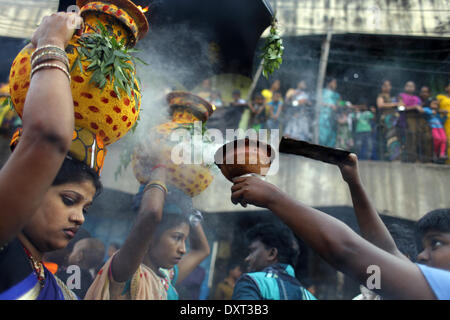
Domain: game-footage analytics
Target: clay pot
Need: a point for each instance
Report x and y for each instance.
(192, 179)
(103, 112)
(244, 156)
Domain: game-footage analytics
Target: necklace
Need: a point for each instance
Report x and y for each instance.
(37, 267)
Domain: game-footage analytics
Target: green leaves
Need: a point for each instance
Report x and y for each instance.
(272, 51)
(109, 59)
(7, 102)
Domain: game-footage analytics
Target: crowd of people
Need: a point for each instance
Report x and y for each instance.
(410, 125)
(45, 194)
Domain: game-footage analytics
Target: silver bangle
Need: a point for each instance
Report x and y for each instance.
(195, 218)
(155, 185)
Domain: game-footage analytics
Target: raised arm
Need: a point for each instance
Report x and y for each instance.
(336, 242)
(199, 250)
(372, 227)
(132, 253)
(48, 123)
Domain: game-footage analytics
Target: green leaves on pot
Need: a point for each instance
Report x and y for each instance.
(7, 102)
(110, 60)
(272, 51)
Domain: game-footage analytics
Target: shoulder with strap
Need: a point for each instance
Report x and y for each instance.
(267, 284)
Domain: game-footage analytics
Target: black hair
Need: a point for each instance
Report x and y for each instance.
(237, 91)
(258, 95)
(168, 221)
(76, 171)
(436, 220)
(233, 264)
(279, 236)
(330, 79)
(115, 245)
(404, 239)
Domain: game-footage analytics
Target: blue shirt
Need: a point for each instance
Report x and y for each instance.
(276, 282)
(439, 281)
(434, 120)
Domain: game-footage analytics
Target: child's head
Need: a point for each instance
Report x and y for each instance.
(434, 232)
(332, 84)
(424, 93)
(410, 87)
(258, 98)
(276, 96)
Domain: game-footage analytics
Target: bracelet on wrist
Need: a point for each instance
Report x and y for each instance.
(156, 184)
(50, 66)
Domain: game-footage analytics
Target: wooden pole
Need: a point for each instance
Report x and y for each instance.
(321, 79)
(255, 81)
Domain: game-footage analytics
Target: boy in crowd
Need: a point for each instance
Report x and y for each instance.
(273, 253)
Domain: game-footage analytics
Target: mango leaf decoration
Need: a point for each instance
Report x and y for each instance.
(273, 49)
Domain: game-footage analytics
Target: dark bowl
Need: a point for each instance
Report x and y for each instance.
(199, 107)
(244, 156)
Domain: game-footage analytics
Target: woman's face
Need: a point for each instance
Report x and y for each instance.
(410, 87)
(276, 85)
(170, 247)
(60, 215)
(386, 87)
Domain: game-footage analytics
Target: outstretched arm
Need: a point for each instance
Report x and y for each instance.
(336, 242)
(48, 124)
(132, 253)
(372, 227)
(199, 250)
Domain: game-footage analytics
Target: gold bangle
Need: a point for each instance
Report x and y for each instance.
(49, 46)
(154, 185)
(50, 55)
(158, 184)
(50, 65)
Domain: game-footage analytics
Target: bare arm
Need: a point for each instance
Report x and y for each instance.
(135, 247)
(382, 104)
(372, 227)
(48, 124)
(199, 250)
(250, 105)
(336, 242)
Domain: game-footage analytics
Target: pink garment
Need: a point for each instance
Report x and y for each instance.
(439, 141)
(410, 100)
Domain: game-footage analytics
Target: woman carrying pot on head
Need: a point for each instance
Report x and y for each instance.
(44, 190)
(154, 255)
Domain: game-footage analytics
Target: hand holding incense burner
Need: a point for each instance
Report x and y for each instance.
(244, 157)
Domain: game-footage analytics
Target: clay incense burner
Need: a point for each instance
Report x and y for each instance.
(244, 156)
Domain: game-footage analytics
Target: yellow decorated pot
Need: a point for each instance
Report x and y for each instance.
(86, 147)
(102, 111)
(192, 179)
